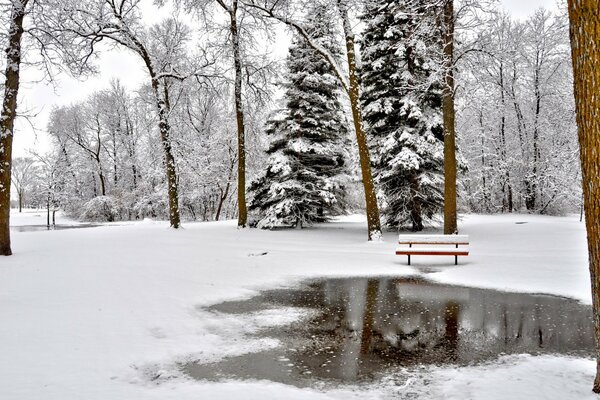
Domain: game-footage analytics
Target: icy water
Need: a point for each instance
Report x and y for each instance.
(36, 228)
(359, 329)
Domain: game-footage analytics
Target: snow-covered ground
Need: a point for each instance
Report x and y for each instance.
(99, 313)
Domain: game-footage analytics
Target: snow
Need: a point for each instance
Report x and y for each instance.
(107, 312)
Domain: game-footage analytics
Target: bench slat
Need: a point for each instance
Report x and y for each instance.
(432, 252)
(433, 239)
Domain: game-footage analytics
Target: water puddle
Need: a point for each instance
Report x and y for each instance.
(360, 329)
(38, 228)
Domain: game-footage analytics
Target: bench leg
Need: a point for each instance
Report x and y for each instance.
(409, 259)
(456, 258)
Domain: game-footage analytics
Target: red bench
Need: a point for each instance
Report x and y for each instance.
(423, 246)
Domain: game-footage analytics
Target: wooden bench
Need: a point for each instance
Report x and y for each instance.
(441, 241)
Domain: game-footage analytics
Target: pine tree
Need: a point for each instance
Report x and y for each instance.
(402, 99)
(303, 182)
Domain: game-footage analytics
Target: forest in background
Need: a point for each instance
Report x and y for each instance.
(515, 123)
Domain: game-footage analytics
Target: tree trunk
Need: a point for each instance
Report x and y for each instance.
(48, 211)
(450, 214)
(165, 136)
(20, 194)
(585, 45)
(222, 197)
(372, 209)
(503, 152)
(530, 202)
(102, 179)
(239, 116)
(415, 204)
(7, 118)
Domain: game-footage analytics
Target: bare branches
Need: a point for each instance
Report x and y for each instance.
(273, 12)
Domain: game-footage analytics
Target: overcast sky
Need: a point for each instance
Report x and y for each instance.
(39, 98)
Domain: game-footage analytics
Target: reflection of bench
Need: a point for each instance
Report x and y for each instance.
(424, 245)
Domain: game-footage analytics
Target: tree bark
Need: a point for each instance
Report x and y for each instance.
(239, 116)
(165, 133)
(585, 46)
(372, 209)
(450, 214)
(415, 204)
(7, 118)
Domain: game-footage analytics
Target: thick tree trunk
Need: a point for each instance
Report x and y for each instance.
(372, 209)
(7, 118)
(239, 116)
(585, 45)
(20, 194)
(450, 214)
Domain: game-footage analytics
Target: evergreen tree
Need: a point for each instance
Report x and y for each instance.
(303, 182)
(402, 99)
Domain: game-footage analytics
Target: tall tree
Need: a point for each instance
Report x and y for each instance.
(232, 10)
(402, 101)
(351, 85)
(585, 45)
(8, 115)
(303, 183)
(447, 25)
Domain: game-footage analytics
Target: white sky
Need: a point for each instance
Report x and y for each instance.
(38, 98)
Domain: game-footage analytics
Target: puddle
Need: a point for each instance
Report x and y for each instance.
(37, 228)
(360, 329)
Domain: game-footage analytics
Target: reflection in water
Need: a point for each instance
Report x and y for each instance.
(365, 327)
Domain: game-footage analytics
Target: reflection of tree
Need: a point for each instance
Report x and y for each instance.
(367, 330)
(370, 324)
(451, 333)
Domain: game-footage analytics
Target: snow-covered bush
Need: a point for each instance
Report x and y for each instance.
(153, 205)
(100, 209)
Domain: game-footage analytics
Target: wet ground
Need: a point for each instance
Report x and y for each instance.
(37, 228)
(360, 329)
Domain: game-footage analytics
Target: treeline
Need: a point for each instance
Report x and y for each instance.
(206, 125)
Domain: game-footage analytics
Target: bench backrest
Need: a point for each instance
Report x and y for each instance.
(433, 239)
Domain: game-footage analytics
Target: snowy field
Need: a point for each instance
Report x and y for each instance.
(108, 312)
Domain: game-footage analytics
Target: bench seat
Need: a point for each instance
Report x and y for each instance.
(433, 251)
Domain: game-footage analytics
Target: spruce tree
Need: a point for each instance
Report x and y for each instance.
(402, 100)
(303, 181)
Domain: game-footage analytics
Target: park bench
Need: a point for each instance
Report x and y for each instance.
(424, 245)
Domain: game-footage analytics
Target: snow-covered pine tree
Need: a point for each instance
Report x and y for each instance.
(304, 179)
(402, 100)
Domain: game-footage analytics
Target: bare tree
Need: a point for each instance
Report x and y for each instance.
(8, 115)
(585, 44)
(23, 175)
